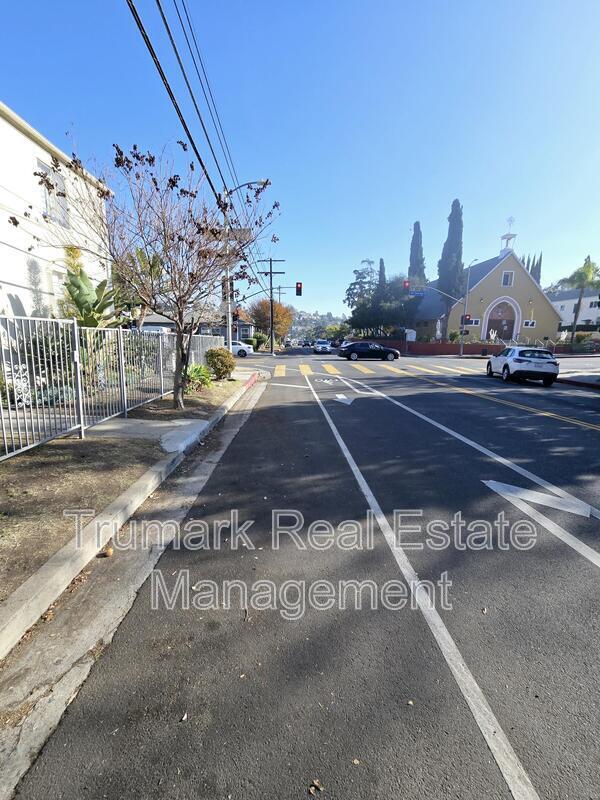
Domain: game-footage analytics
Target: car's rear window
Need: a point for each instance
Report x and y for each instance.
(536, 354)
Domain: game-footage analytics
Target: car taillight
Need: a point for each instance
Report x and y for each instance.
(521, 360)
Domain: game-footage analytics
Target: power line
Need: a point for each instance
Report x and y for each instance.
(193, 97)
(205, 85)
(189, 87)
(206, 88)
(173, 99)
(167, 86)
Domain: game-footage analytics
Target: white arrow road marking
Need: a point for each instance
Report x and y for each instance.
(570, 504)
(595, 512)
(512, 770)
(341, 398)
(552, 527)
(354, 388)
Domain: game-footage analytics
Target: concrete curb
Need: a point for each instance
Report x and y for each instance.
(26, 604)
(580, 383)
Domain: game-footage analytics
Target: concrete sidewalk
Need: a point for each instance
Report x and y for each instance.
(584, 379)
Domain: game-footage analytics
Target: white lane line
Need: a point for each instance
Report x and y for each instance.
(476, 446)
(290, 385)
(507, 760)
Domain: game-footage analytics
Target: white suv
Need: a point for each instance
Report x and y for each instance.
(524, 362)
(241, 349)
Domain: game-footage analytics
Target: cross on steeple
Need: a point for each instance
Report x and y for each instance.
(506, 241)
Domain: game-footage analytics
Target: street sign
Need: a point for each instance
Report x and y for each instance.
(416, 293)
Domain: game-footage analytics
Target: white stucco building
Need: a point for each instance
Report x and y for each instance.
(565, 303)
(37, 225)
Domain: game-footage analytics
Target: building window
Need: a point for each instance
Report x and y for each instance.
(529, 323)
(594, 303)
(54, 201)
(508, 278)
(562, 307)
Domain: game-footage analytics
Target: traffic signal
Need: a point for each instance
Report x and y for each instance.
(465, 319)
(406, 285)
(298, 288)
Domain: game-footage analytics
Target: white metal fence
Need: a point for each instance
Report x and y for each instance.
(57, 377)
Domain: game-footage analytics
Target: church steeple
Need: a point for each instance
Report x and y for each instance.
(507, 240)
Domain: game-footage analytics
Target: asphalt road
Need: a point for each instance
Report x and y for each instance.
(492, 693)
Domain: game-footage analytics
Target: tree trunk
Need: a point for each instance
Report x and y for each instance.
(178, 382)
(139, 323)
(576, 316)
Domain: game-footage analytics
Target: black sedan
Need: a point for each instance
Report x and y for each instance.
(355, 350)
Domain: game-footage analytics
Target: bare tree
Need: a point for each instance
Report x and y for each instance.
(166, 242)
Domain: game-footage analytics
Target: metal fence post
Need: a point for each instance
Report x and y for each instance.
(160, 360)
(78, 379)
(122, 370)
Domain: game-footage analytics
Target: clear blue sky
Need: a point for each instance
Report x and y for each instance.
(366, 115)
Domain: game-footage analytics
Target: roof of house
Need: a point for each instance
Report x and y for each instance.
(570, 294)
(30, 132)
(433, 306)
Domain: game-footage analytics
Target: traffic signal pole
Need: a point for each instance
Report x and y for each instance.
(462, 327)
(464, 319)
(270, 273)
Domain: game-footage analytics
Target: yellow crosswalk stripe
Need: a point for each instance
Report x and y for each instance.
(305, 369)
(449, 369)
(395, 369)
(331, 369)
(360, 368)
(279, 371)
(428, 371)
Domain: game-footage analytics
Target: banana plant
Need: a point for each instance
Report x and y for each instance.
(95, 304)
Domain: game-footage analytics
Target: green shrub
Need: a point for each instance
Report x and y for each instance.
(198, 377)
(220, 362)
(581, 337)
(261, 339)
(251, 342)
(453, 336)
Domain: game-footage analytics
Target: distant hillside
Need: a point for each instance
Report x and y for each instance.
(307, 323)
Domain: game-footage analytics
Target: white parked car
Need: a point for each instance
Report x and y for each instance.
(524, 362)
(322, 346)
(241, 349)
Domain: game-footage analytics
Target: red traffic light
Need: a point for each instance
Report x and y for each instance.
(465, 319)
(406, 284)
(298, 288)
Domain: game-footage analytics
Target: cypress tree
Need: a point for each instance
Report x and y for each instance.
(536, 270)
(450, 266)
(416, 265)
(381, 276)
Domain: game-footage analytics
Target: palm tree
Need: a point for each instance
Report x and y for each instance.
(586, 277)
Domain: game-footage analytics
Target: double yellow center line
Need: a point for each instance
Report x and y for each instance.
(485, 396)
